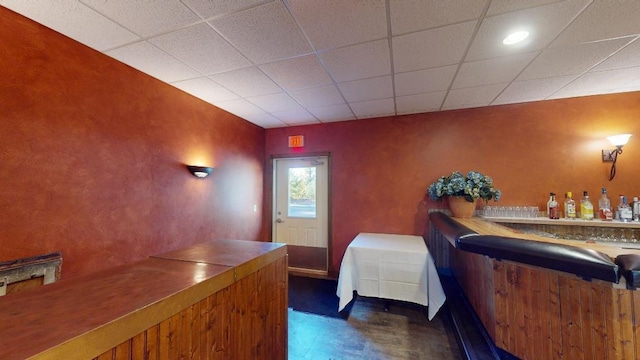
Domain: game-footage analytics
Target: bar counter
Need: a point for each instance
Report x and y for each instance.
(542, 298)
(490, 226)
(220, 299)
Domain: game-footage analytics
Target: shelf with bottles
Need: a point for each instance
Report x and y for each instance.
(544, 220)
(533, 215)
(624, 235)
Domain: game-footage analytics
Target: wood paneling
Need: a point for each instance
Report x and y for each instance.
(247, 320)
(159, 308)
(535, 313)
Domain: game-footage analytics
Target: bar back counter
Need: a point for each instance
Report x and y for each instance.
(222, 299)
(543, 298)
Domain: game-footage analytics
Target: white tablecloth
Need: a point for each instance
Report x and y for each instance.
(390, 266)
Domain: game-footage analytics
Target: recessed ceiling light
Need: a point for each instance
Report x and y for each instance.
(515, 37)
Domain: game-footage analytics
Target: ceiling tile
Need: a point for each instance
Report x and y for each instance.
(532, 90)
(208, 8)
(75, 21)
(603, 20)
(297, 73)
(544, 23)
(255, 58)
(634, 82)
(571, 60)
(145, 18)
(415, 15)
(425, 81)
(332, 113)
(418, 103)
(153, 61)
(503, 6)
(202, 48)
(240, 107)
(265, 120)
(275, 102)
(263, 34)
(491, 71)
(374, 108)
(367, 89)
(599, 82)
(331, 24)
(625, 58)
(317, 97)
(416, 51)
(295, 117)
(205, 89)
(247, 82)
(472, 97)
(347, 64)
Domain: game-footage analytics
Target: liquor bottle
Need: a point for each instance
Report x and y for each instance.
(636, 209)
(604, 206)
(569, 207)
(586, 207)
(553, 207)
(624, 211)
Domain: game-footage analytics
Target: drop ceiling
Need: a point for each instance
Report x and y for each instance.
(292, 62)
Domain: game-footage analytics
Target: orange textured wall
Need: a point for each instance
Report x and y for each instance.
(382, 167)
(92, 156)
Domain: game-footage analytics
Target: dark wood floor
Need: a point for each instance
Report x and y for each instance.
(370, 332)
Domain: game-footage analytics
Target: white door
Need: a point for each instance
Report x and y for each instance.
(300, 210)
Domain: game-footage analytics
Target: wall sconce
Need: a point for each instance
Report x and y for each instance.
(200, 171)
(612, 156)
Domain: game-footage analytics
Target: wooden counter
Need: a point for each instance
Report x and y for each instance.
(228, 301)
(534, 312)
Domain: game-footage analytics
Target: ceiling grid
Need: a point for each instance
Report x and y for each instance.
(279, 63)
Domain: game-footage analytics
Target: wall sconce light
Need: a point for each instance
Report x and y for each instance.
(612, 156)
(200, 171)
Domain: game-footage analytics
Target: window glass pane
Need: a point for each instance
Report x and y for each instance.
(302, 192)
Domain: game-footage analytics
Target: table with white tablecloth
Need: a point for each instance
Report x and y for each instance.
(390, 266)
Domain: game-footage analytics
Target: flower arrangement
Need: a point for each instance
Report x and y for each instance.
(472, 186)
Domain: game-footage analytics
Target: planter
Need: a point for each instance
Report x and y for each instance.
(461, 208)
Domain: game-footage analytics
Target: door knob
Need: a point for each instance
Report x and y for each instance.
(279, 221)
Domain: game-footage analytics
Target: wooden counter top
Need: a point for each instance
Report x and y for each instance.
(82, 317)
(484, 226)
(244, 256)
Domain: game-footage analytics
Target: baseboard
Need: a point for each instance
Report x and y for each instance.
(319, 274)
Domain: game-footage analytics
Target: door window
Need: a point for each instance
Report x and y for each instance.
(302, 192)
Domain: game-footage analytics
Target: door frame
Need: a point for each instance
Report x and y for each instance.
(272, 228)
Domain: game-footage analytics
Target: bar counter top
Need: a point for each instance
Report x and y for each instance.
(486, 226)
(84, 316)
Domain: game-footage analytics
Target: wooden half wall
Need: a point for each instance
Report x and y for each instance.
(534, 312)
(243, 321)
(224, 299)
